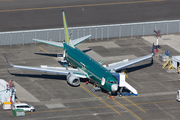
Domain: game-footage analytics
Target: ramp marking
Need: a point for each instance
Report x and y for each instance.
(97, 107)
(47, 52)
(127, 109)
(134, 104)
(101, 100)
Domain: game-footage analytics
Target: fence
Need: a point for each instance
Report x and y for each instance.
(98, 32)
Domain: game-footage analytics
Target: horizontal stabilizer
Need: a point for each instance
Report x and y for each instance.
(57, 44)
(79, 40)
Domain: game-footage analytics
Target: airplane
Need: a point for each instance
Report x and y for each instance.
(83, 65)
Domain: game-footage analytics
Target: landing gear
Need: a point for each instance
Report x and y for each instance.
(62, 59)
(95, 88)
(120, 91)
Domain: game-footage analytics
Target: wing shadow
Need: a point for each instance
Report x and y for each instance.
(86, 50)
(46, 54)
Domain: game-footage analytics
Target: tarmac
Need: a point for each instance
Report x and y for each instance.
(54, 99)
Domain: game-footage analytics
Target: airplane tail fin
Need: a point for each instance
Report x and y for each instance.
(68, 40)
(66, 32)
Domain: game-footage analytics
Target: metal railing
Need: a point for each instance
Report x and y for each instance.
(98, 32)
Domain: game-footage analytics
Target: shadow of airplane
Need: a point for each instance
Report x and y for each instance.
(46, 54)
(84, 51)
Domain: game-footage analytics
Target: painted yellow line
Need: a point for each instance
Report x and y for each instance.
(5, 0)
(67, 109)
(98, 107)
(157, 102)
(44, 50)
(47, 52)
(101, 100)
(151, 102)
(127, 109)
(134, 104)
(88, 5)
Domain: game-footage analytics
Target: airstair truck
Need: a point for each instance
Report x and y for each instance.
(122, 83)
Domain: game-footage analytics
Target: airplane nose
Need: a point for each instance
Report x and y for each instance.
(114, 87)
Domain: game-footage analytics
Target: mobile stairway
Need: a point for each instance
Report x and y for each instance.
(123, 84)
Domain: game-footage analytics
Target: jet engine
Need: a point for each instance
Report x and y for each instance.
(73, 80)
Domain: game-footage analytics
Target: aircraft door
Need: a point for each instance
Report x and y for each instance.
(103, 81)
(83, 66)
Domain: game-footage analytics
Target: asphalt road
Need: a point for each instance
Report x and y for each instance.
(42, 14)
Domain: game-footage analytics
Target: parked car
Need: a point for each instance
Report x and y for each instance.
(24, 106)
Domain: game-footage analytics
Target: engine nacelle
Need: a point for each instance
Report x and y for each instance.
(73, 80)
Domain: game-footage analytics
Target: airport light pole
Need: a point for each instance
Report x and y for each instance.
(157, 35)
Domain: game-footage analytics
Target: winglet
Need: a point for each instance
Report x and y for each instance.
(7, 60)
(153, 49)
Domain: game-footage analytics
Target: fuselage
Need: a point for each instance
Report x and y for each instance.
(94, 70)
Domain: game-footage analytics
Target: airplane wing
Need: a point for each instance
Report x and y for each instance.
(121, 65)
(59, 44)
(58, 70)
(79, 40)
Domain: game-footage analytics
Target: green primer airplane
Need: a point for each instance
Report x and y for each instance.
(84, 66)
